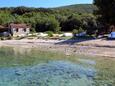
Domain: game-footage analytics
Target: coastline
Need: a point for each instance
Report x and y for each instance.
(97, 47)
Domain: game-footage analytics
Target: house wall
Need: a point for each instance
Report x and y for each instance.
(20, 31)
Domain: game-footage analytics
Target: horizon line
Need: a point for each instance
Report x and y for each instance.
(45, 7)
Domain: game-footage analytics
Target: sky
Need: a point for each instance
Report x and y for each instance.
(41, 3)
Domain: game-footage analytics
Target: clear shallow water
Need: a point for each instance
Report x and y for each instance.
(32, 67)
(56, 73)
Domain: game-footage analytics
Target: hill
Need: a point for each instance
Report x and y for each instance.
(79, 8)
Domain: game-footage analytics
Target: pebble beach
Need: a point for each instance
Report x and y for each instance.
(97, 47)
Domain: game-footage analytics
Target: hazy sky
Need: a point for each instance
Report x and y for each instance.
(41, 3)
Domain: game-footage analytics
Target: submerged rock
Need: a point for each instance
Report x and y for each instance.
(19, 72)
(54, 73)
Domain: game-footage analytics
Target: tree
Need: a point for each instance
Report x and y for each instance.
(71, 23)
(5, 18)
(89, 24)
(20, 10)
(47, 24)
(105, 12)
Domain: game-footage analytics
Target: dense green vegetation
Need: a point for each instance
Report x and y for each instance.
(52, 19)
(79, 8)
(106, 13)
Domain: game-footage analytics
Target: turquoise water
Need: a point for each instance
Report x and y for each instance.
(56, 73)
(33, 67)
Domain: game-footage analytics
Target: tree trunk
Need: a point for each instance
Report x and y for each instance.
(112, 28)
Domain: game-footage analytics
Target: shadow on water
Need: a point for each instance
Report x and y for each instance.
(54, 73)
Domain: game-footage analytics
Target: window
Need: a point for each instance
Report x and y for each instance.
(24, 29)
(16, 29)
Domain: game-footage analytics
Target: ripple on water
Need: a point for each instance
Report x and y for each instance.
(56, 73)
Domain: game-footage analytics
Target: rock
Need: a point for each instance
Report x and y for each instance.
(19, 72)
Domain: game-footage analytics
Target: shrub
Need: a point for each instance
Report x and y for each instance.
(48, 24)
(75, 31)
(50, 33)
(80, 30)
(9, 38)
(2, 38)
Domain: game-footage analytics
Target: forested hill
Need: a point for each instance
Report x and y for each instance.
(76, 18)
(79, 8)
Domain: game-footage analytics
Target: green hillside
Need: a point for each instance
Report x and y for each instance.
(80, 8)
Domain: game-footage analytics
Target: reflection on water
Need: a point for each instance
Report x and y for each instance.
(33, 67)
(21, 51)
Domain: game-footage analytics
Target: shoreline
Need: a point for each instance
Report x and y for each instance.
(98, 47)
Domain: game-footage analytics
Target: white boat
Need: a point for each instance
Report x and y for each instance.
(111, 35)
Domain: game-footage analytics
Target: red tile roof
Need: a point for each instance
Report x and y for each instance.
(18, 26)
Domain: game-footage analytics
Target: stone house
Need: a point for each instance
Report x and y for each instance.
(19, 29)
